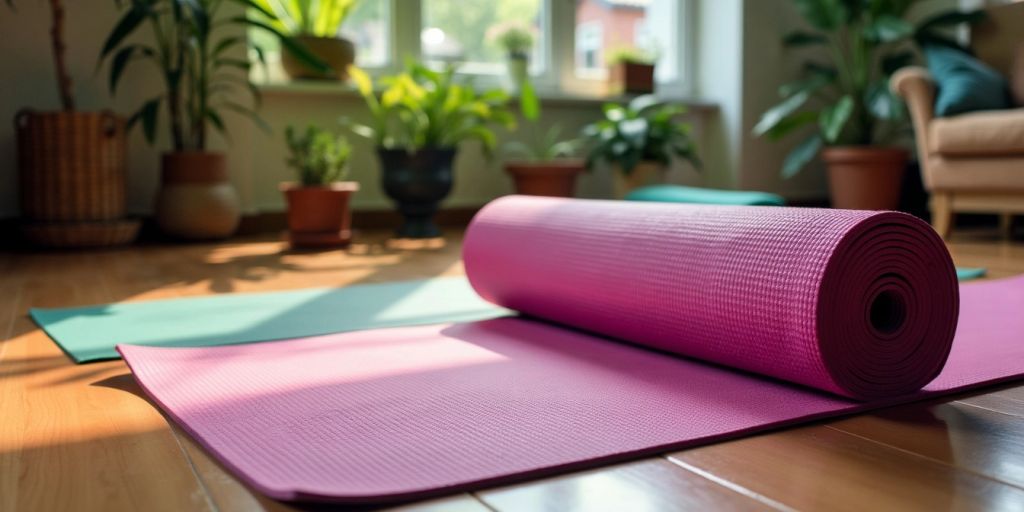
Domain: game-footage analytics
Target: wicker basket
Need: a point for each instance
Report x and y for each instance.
(99, 233)
(71, 166)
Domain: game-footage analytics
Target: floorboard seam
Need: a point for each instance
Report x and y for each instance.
(192, 466)
(739, 489)
(927, 458)
(1004, 413)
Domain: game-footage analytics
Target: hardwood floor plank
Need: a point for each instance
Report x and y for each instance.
(648, 485)
(1007, 401)
(820, 468)
(972, 438)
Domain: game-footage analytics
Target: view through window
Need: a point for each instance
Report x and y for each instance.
(464, 31)
(604, 27)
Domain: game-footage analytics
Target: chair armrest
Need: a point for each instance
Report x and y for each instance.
(916, 87)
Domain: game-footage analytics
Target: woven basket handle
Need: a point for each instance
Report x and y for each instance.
(21, 119)
(111, 123)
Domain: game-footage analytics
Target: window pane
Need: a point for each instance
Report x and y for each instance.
(465, 30)
(605, 26)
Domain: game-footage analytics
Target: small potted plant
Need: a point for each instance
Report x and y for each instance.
(516, 40)
(192, 50)
(318, 204)
(71, 165)
(847, 100)
(316, 27)
(631, 71)
(418, 122)
(639, 139)
(545, 166)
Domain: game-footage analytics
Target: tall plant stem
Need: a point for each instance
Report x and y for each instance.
(64, 84)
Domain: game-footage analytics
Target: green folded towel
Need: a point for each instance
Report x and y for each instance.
(681, 194)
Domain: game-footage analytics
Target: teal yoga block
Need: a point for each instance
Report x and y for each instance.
(681, 194)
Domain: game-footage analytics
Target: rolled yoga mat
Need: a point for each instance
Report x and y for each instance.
(654, 327)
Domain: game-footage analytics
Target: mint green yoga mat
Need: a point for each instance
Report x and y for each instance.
(90, 333)
(968, 273)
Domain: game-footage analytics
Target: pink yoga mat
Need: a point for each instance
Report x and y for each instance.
(405, 413)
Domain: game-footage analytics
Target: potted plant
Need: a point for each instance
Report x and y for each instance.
(545, 166)
(639, 139)
(318, 204)
(315, 26)
(201, 80)
(516, 40)
(71, 166)
(631, 71)
(418, 122)
(847, 100)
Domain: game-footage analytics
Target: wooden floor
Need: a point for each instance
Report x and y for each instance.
(82, 438)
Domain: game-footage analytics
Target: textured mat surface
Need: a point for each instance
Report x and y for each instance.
(415, 411)
(90, 333)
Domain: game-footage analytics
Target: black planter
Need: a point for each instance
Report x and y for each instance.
(417, 182)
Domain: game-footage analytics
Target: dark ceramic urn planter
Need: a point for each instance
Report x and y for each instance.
(417, 181)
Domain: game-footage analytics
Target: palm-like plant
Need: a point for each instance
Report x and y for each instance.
(192, 50)
(425, 108)
(321, 18)
(848, 98)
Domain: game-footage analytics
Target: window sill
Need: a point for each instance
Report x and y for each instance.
(547, 97)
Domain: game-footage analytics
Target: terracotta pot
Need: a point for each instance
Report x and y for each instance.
(319, 216)
(72, 177)
(643, 175)
(865, 177)
(631, 78)
(196, 200)
(338, 53)
(556, 178)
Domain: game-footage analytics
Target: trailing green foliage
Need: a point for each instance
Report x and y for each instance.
(515, 39)
(318, 157)
(631, 55)
(191, 48)
(847, 98)
(425, 108)
(321, 18)
(645, 130)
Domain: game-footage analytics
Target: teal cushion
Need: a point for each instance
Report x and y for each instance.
(681, 194)
(965, 84)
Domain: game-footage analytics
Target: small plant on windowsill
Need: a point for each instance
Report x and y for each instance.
(640, 139)
(516, 40)
(314, 26)
(318, 204)
(631, 70)
(545, 165)
(417, 124)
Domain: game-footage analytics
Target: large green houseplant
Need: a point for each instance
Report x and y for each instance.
(71, 164)
(316, 26)
(640, 139)
(192, 44)
(846, 98)
(418, 122)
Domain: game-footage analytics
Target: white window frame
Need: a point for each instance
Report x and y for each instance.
(556, 74)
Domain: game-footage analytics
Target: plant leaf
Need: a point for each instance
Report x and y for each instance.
(834, 117)
(951, 19)
(120, 61)
(882, 103)
(147, 114)
(528, 102)
(777, 113)
(887, 29)
(127, 24)
(792, 122)
(801, 155)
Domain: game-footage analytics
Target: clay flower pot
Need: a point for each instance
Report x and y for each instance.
(196, 200)
(417, 181)
(319, 216)
(555, 178)
(337, 52)
(631, 78)
(864, 177)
